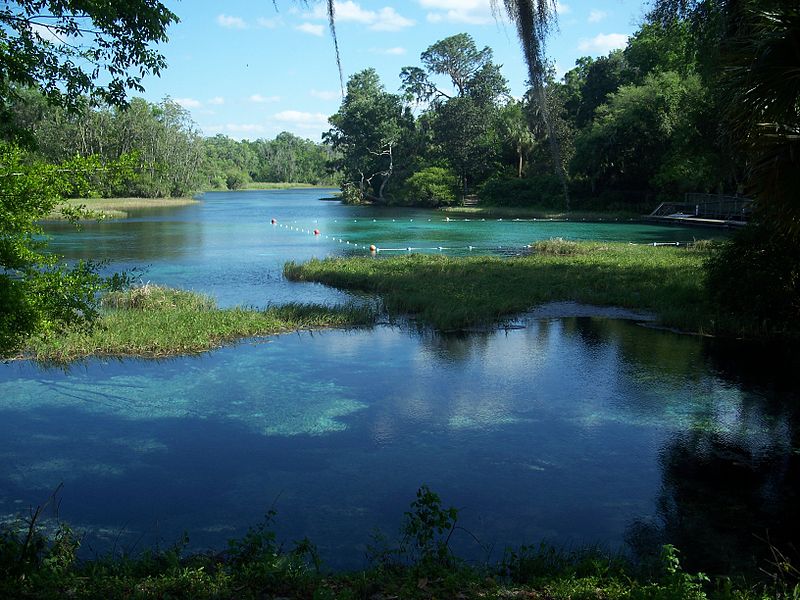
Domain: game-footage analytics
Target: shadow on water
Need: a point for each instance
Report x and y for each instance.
(575, 430)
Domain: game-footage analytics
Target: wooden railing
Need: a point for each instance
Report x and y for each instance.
(707, 206)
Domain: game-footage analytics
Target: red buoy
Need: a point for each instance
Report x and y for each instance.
(316, 232)
(273, 221)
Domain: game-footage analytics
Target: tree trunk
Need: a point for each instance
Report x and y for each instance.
(555, 143)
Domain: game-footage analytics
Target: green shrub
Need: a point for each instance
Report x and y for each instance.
(432, 186)
(540, 191)
(756, 277)
(351, 194)
(235, 180)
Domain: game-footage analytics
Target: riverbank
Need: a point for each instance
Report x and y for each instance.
(115, 208)
(157, 322)
(457, 293)
(532, 212)
(419, 565)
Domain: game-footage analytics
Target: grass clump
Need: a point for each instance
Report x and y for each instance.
(544, 213)
(421, 564)
(153, 321)
(457, 293)
(112, 208)
(557, 246)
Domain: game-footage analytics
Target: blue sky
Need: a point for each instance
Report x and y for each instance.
(245, 70)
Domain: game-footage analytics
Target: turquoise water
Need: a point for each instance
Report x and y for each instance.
(226, 246)
(572, 430)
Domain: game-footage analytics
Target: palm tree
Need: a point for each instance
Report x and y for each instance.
(533, 20)
(761, 78)
(514, 127)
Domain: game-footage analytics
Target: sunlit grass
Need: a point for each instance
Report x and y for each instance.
(533, 212)
(117, 208)
(456, 293)
(153, 321)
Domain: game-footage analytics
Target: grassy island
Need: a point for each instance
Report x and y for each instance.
(154, 321)
(457, 293)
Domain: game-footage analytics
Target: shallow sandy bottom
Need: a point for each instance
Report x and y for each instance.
(560, 310)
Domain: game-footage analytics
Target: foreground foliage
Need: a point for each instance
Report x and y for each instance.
(458, 293)
(154, 321)
(420, 565)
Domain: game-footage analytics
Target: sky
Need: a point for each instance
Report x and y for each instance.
(249, 71)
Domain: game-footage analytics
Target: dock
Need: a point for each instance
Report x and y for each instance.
(705, 210)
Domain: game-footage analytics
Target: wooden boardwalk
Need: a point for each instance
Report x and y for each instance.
(705, 210)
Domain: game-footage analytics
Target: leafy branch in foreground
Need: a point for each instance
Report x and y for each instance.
(37, 292)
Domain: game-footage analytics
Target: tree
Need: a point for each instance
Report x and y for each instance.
(514, 129)
(63, 48)
(533, 19)
(645, 138)
(470, 71)
(369, 130)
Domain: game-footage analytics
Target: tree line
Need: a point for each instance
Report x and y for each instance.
(637, 125)
(166, 152)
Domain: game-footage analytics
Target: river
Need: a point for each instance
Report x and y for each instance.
(578, 430)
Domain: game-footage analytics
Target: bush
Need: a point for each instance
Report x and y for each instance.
(351, 194)
(756, 277)
(433, 186)
(542, 191)
(235, 180)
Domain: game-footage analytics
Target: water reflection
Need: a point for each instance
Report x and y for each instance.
(578, 430)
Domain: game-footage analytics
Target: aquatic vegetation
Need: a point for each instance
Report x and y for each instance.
(154, 321)
(456, 293)
(114, 208)
(35, 564)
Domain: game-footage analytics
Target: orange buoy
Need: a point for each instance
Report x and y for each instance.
(273, 221)
(316, 232)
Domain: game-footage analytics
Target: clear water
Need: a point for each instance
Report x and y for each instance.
(227, 247)
(576, 431)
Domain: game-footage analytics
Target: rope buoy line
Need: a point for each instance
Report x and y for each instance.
(375, 249)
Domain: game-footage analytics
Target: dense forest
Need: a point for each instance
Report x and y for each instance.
(635, 126)
(165, 153)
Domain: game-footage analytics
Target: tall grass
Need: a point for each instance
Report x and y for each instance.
(455, 293)
(534, 212)
(117, 208)
(154, 321)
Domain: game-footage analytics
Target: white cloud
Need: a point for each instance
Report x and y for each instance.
(595, 16)
(298, 117)
(385, 19)
(346, 11)
(217, 100)
(603, 43)
(470, 12)
(231, 22)
(46, 34)
(389, 20)
(259, 99)
(310, 28)
(187, 102)
(562, 8)
(269, 23)
(325, 95)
